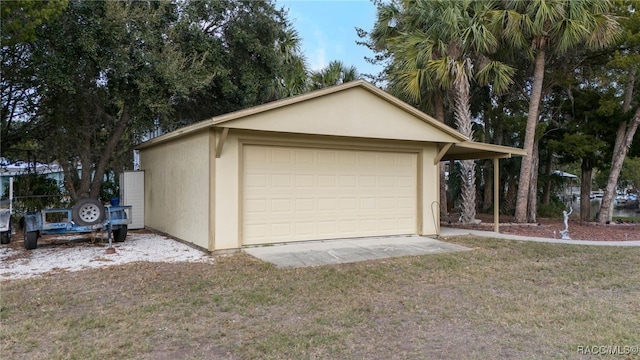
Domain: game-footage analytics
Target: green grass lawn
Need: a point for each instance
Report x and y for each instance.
(502, 300)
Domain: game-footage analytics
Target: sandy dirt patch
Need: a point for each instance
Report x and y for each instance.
(75, 254)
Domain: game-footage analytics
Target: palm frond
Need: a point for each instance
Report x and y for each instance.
(498, 74)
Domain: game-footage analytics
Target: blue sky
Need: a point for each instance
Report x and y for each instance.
(327, 29)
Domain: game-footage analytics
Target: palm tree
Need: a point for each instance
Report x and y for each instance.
(334, 74)
(294, 76)
(444, 45)
(544, 28)
(408, 78)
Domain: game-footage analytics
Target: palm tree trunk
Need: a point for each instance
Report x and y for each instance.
(463, 121)
(468, 208)
(529, 137)
(532, 204)
(624, 137)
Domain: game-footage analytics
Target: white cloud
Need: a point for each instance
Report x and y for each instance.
(316, 51)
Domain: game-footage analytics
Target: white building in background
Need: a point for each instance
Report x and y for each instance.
(18, 168)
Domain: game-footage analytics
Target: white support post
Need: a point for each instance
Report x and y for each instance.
(11, 195)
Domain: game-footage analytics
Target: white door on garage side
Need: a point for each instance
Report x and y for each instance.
(294, 194)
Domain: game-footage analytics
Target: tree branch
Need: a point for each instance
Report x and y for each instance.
(101, 166)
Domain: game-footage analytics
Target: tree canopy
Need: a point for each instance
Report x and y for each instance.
(83, 81)
(568, 67)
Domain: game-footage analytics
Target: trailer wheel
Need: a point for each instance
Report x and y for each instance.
(119, 234)
(87, 212)
(5, 237)
(30, 240)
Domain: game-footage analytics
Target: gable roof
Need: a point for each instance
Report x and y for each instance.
(323, 114)
(241, 118)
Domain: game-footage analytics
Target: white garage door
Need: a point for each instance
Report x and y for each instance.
(293, 194)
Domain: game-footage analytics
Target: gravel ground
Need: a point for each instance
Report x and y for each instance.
(75, 253)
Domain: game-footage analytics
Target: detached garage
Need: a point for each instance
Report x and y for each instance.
(342, 162)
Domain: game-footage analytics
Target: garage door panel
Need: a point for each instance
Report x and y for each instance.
(347, 181)
(327, 181)
(293, 194)
(368, 203)
(305, 205)
(327, 204)
(304, 181)
(281, 156)
(348, 159)
(304, 156)
(348, 204)
(406, 203)
(305, 228)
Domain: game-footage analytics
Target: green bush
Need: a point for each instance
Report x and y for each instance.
(552, 210)
(33, 192)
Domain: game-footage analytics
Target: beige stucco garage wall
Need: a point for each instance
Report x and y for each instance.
(430, 191)
(177, 187)
(228, 177)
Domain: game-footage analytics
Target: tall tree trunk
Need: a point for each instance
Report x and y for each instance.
(532, 204)
(463, 121)
(624, 137)
(86, 160)
(529, 137)
(439, 107)
(585, 190)
(487, 200)
(468, 208)
(101, 166)
(546, 195)
(487, 174)
(510, 195)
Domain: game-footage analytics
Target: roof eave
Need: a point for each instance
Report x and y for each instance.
(226, 119)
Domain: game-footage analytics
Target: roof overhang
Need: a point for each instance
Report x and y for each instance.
(471, 150)
(416, 125)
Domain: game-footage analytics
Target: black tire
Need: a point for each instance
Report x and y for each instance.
(5, 237)
(30, 240)
(87, 212)
(119, 234)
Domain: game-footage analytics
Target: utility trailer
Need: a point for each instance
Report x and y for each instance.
(5, 226)
(86, 216)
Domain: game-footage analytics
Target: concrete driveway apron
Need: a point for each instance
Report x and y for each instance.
(340, 251)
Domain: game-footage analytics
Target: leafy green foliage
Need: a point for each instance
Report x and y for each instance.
(248, 45)
(98, 76)
(33, 192)
(334, 74)
(553, 209)
(109, 69)
(21, 18)
(630, 175)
